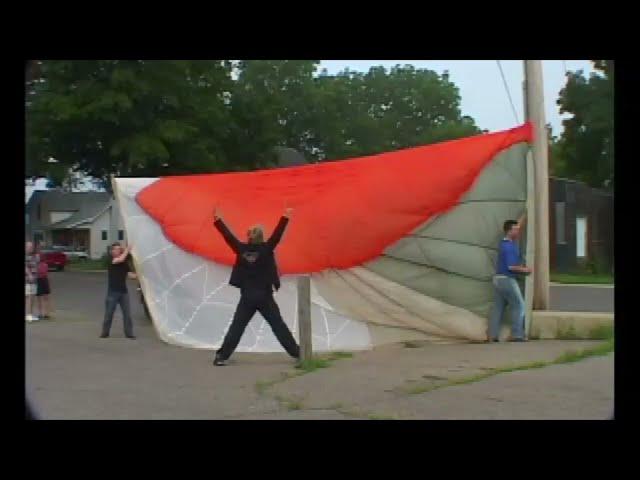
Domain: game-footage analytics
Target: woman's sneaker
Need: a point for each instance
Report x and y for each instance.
(218, 362)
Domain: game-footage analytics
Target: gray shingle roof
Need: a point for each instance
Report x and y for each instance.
(85, 205)
(288, 157)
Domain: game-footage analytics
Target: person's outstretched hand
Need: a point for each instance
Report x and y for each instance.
(217, 215)
(288, 212)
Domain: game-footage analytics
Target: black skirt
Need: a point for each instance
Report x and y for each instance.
(43, 287)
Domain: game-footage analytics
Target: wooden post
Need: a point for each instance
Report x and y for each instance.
(304, 316)
(534, 102)
(531, 244)
(529, 226)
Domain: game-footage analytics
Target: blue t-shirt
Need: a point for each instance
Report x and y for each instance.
(508, 256)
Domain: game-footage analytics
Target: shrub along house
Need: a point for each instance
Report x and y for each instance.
(77, 220)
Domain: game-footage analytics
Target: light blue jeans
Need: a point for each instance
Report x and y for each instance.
(507, 292)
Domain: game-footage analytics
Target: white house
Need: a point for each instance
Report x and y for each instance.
(79, 220)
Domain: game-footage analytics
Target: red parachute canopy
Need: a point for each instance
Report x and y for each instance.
(345, 212)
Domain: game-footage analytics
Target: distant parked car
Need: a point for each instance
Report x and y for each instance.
(54, 259)
(77, 254)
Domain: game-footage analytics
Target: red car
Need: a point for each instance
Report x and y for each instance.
(54, 260)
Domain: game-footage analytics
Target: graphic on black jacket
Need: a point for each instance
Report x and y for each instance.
(251, 257)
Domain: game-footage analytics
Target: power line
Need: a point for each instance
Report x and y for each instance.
(506, 87)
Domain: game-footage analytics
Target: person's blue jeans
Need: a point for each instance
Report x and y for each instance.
(507, 292)
(113, 300)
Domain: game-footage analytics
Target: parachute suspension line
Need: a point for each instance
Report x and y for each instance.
(506, 87)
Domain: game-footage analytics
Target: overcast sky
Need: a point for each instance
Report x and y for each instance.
(481, 87)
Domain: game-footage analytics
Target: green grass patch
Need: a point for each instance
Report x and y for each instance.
(356, 412)
(340, 355)
(321, 361)
(567, 334)
(583, 278)
(295, 405)
(420, 389)
(473, 378)
(567, 357)
(601, 332)
(575, 356)
(84, 265)
(350, 412)
(306, 366)
(433, 377)
(380, 416)
(263, 385)
(312, 364)
(290, 404)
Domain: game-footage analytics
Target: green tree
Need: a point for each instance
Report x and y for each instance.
(270, 107)
(128, 117)
(150, 118)
(367, 113)
(585, 150)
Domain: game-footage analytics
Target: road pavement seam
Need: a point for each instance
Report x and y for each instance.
(569, 356)
(306, 367)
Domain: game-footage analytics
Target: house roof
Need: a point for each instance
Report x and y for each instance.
(86, 206)
(288, 157)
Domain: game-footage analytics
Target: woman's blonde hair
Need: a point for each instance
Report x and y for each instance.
(256, 234)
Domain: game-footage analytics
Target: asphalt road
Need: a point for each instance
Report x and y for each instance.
(82, 294)
(576, 298)
(73, 374)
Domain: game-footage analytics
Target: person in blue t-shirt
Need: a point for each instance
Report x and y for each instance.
(507, 292)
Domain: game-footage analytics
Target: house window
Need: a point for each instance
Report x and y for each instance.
(560, 223)
(104, 234)
(120, 234)
(581, 237)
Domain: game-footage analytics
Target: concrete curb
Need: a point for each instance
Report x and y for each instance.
(578, 325)
(589, 285)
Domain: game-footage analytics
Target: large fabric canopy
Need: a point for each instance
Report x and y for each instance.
(399, 245)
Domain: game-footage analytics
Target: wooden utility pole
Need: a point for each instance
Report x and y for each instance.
(534, 112)
(304, 316)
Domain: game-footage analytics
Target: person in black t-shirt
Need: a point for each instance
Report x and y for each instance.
(117, 293)
(255, 273)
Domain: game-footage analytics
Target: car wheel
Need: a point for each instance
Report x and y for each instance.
(60, 268)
